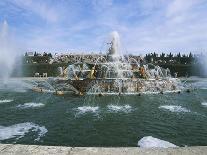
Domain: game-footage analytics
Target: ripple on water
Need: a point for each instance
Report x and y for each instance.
(174, 108)
(87, 109)
(5, 101)
(151, 142)
(119, 108)
(30, 105)
(18, 131)
(204, 104)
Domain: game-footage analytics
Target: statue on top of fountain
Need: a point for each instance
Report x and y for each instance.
(114, 48)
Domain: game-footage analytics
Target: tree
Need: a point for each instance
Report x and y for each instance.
(162, 55)
(191, 59)
(49, 55)
(155, 55)
(44, 54)
(190, 55)
(178, 55)
(170, 55)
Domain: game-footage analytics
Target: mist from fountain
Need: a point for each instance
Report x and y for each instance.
(202, 63)
(7, 51)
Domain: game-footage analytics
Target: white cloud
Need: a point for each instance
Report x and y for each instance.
(171, 29)
(149, 25)
(178, 7)
(40, 8)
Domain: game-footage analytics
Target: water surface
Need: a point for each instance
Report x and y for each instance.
(27, 117)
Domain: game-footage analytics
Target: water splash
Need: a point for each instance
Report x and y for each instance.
(6, 101)
(151, 142)
(204, 104)
(174, 108)
(87, 109)
(30, 105)
(118, 108)
(18, 131)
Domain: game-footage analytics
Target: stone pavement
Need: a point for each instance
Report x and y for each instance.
(16, 149)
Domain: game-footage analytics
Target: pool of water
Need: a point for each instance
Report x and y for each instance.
(27, 117)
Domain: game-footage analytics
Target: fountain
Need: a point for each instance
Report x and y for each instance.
(7, 52)
(10, 62)
(115, 74)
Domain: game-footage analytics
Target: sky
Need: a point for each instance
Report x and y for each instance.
(85, 25)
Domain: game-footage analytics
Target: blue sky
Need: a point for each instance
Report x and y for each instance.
(84, 25)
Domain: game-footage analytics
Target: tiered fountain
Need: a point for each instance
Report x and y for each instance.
(116, 74)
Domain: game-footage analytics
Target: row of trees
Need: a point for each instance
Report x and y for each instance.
(170, 55)
(36, 54)
(156, 58)
(170, 58)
